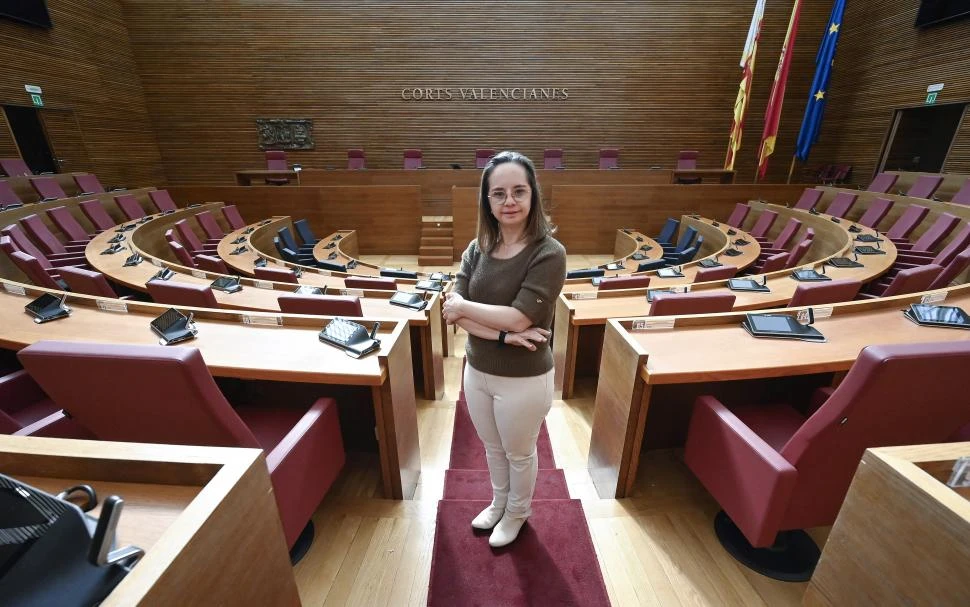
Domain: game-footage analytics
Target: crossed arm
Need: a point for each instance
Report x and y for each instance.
(486, 321)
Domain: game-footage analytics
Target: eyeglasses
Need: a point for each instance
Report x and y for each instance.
(519, 194)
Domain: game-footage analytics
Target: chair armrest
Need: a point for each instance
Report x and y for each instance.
(818, 399)
(75, 262)
(17, 390)
(751, 481)
(866, 296)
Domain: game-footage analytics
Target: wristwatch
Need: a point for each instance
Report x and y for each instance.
(501, 337)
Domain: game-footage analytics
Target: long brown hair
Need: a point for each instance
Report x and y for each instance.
(536, 227)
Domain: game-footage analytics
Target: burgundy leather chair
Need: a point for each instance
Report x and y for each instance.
(687, 159)
(276, 161)
(877, 210)
(42, 235)
(235, 220)
(882, 183)
(808, 199)
(15, 167)
(88, 282)
(908, 259)
(910, 280)
(276, 275)
(96, 214)
(32, 267)
(624, 282)
(911, 217)
(162, 200)
(47, 188)
(798, 253)
(609, 158)
(321, 305)
(379, 284)
(763, 224)
(211, 264)
(772, 263)
(671, 304)
(962, 196)
(783, 239)
(7, 195)
(356, 160)
(182, 294)
(841, 204)
(130, 206)
(776, 471)
(738, 215)
(957, 266)
(166, 395)
(22, 243)
(819, 293)
(716, 273)
(940, 229)
(68, 225)
(482, 156)
(413, 159)
(925, 186)
(22, 402)
(552, 158)
(88, 184)
(181, 254)
(213, 231)
(189, 239)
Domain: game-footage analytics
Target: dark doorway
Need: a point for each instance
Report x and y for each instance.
(31, 138)
(920, 138)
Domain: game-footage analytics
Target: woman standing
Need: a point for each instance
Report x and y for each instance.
(505, 297)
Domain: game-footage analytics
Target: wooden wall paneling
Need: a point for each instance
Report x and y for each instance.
(8, 145)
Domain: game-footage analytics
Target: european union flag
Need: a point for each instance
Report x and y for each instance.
(812, 122)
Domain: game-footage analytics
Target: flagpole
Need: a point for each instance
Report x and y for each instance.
(791, 169)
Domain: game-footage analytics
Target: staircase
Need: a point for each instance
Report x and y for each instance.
(437, 243)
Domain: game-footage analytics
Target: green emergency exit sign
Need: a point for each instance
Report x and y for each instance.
(37, 100)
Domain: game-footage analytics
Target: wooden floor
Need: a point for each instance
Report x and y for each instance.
(655, 548)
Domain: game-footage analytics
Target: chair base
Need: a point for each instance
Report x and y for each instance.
(791, 559)
(302, 545)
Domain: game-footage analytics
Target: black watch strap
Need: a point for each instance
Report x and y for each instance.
(501, 337)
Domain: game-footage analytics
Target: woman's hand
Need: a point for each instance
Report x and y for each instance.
(528, 338)
(451, 310)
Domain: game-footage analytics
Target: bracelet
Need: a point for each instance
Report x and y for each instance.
(501, 337)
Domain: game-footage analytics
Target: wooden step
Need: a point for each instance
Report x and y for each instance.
(441, 241)
(434, 260)
(436, 251)
(425, 231)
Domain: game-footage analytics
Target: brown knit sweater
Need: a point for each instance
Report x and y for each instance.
(530, 282)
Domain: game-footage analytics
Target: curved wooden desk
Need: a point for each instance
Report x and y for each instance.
(650, 377)
(252, 345)
(246, 176)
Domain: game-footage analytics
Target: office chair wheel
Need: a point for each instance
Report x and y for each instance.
(792, 558)
(302, 545)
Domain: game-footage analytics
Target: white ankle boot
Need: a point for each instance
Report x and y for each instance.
(488, 518)
(506, 531)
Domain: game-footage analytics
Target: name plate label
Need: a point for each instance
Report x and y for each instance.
(267, 320)
(652, 324)
(932, 298)
(14, 289)
(584, 295)
(112, 305)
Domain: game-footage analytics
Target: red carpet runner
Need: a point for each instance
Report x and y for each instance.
(551, 563)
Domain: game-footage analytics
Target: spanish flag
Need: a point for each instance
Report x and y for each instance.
(744, 89)
(777, 98)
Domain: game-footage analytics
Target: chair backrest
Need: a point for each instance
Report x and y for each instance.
(925, 186)
(481, 157)
(686, 239)
(187, 236)
(875, 213)
(379, 284)
(913, 280)
(818, 293)
(738, 215)
(763, 224)
(412, 158)
(42, 235)
(286, 238)
(609, 158)
(940, 229)
(47, 188)
(7, 195)
(210, 263)
(130, 206)
(88, 184)
(787, 233)
(687, 159)
(962, 196)
(15, 167)
(951, 270)
(715, 273)
(231, 213)
(667, 232)
(137, 393)
(689, 253)
(183, 256)
(209, 225)
(624, 282)
(84, 281)
(96, 214)
(162, 200)
(957, 244)
(773, 263)
(276, 274)
(67, 224)
(22, 243)
(874, 407)
(285, 252)
(321, 305)
(670, 304)
(882, 183)
(841, 204)
(552, 158)
(356, 159)
(275, 160)
(182, 294)
(305, 232)
(808, 199)
(798, 253)
(907, 222)
(647, 266)
(31, 266)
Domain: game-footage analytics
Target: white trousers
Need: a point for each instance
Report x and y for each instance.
(507, 413)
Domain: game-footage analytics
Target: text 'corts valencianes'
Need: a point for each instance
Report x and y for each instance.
(485, 94)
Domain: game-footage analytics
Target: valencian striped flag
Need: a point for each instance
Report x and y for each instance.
(744, 90)
(777, 98)
(818, 95)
